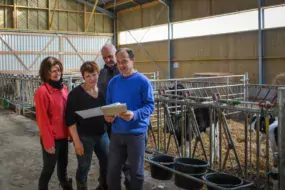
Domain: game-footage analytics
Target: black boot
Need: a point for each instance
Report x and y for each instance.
(81, 186)
(67, 185)
(102, 182)
(43, 188)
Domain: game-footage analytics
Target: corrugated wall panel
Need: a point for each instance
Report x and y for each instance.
(33, 3)
(63, 21)
(72, 5)
(43, 17)
(29, 49)
(22, 2)
(72, 62)
(10, 62)
(99, 24)
(80, 22)
(64, 4)
(72, 21)
(88, 44)
(55, 23)
(67, 47)
(2, 17)
(22, 19)
(28, 59)
(37, 64)
(54, 45)
(43, 3)
(33, 19)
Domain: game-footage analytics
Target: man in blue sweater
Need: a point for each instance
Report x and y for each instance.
(129, 129)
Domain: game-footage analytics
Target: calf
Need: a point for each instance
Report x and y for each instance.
(273, 131)
(202, 116)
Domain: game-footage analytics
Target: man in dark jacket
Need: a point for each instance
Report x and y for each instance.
(110, 70)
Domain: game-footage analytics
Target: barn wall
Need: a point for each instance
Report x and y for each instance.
(231, 53)
(156, 13)
(37, 14)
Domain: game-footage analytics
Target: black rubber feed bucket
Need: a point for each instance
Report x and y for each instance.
(190, 166)
(222, 180)
(158, 172)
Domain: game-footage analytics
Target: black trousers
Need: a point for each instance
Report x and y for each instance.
(50, 160)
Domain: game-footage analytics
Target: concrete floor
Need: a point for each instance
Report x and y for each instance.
(21, 158)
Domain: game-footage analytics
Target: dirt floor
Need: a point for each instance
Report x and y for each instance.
(21, 158)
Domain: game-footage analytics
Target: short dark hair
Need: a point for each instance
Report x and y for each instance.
(46, 66)
(89, 66)
(129, 51)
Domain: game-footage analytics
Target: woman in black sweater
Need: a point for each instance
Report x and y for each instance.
(89, 135)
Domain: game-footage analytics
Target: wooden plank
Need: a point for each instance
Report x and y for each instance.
(91, 15)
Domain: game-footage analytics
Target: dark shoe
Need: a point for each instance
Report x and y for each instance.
(127, 184)
(43, 188)
(102, 183)
(81, 186)
(67, 185)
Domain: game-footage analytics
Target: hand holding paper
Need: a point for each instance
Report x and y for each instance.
(114, 109)
(128, 115)
(110, 119)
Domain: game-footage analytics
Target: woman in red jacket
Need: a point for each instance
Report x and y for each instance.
(50, 102)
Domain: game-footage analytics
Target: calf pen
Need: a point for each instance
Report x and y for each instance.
(225, 96)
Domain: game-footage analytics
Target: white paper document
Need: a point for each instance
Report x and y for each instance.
(109, 110)
(114, 109)
(93, 112)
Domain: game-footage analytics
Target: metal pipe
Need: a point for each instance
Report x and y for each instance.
(267, 146)
(281, 136)
(115, 37)
(158, 127)
(245, 144)
(250, 110)
(257, 146)
(245, 102)
(206, 87)
(211, 137)
(170, 50)
(201, 78)
(260, 41)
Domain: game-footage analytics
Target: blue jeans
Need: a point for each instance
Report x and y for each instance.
(126, 168)
(126, 147)
(99, 145)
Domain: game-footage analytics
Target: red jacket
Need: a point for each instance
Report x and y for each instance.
(50, 106)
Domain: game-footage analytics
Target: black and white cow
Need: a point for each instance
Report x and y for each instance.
(273, 131)
(203, 120)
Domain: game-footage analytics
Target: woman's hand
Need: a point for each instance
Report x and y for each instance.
(79, 148)
(109, 119)
(51, 150)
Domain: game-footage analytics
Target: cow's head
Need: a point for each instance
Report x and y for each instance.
(253, 123)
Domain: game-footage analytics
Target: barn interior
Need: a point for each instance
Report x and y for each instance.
(226, 56)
